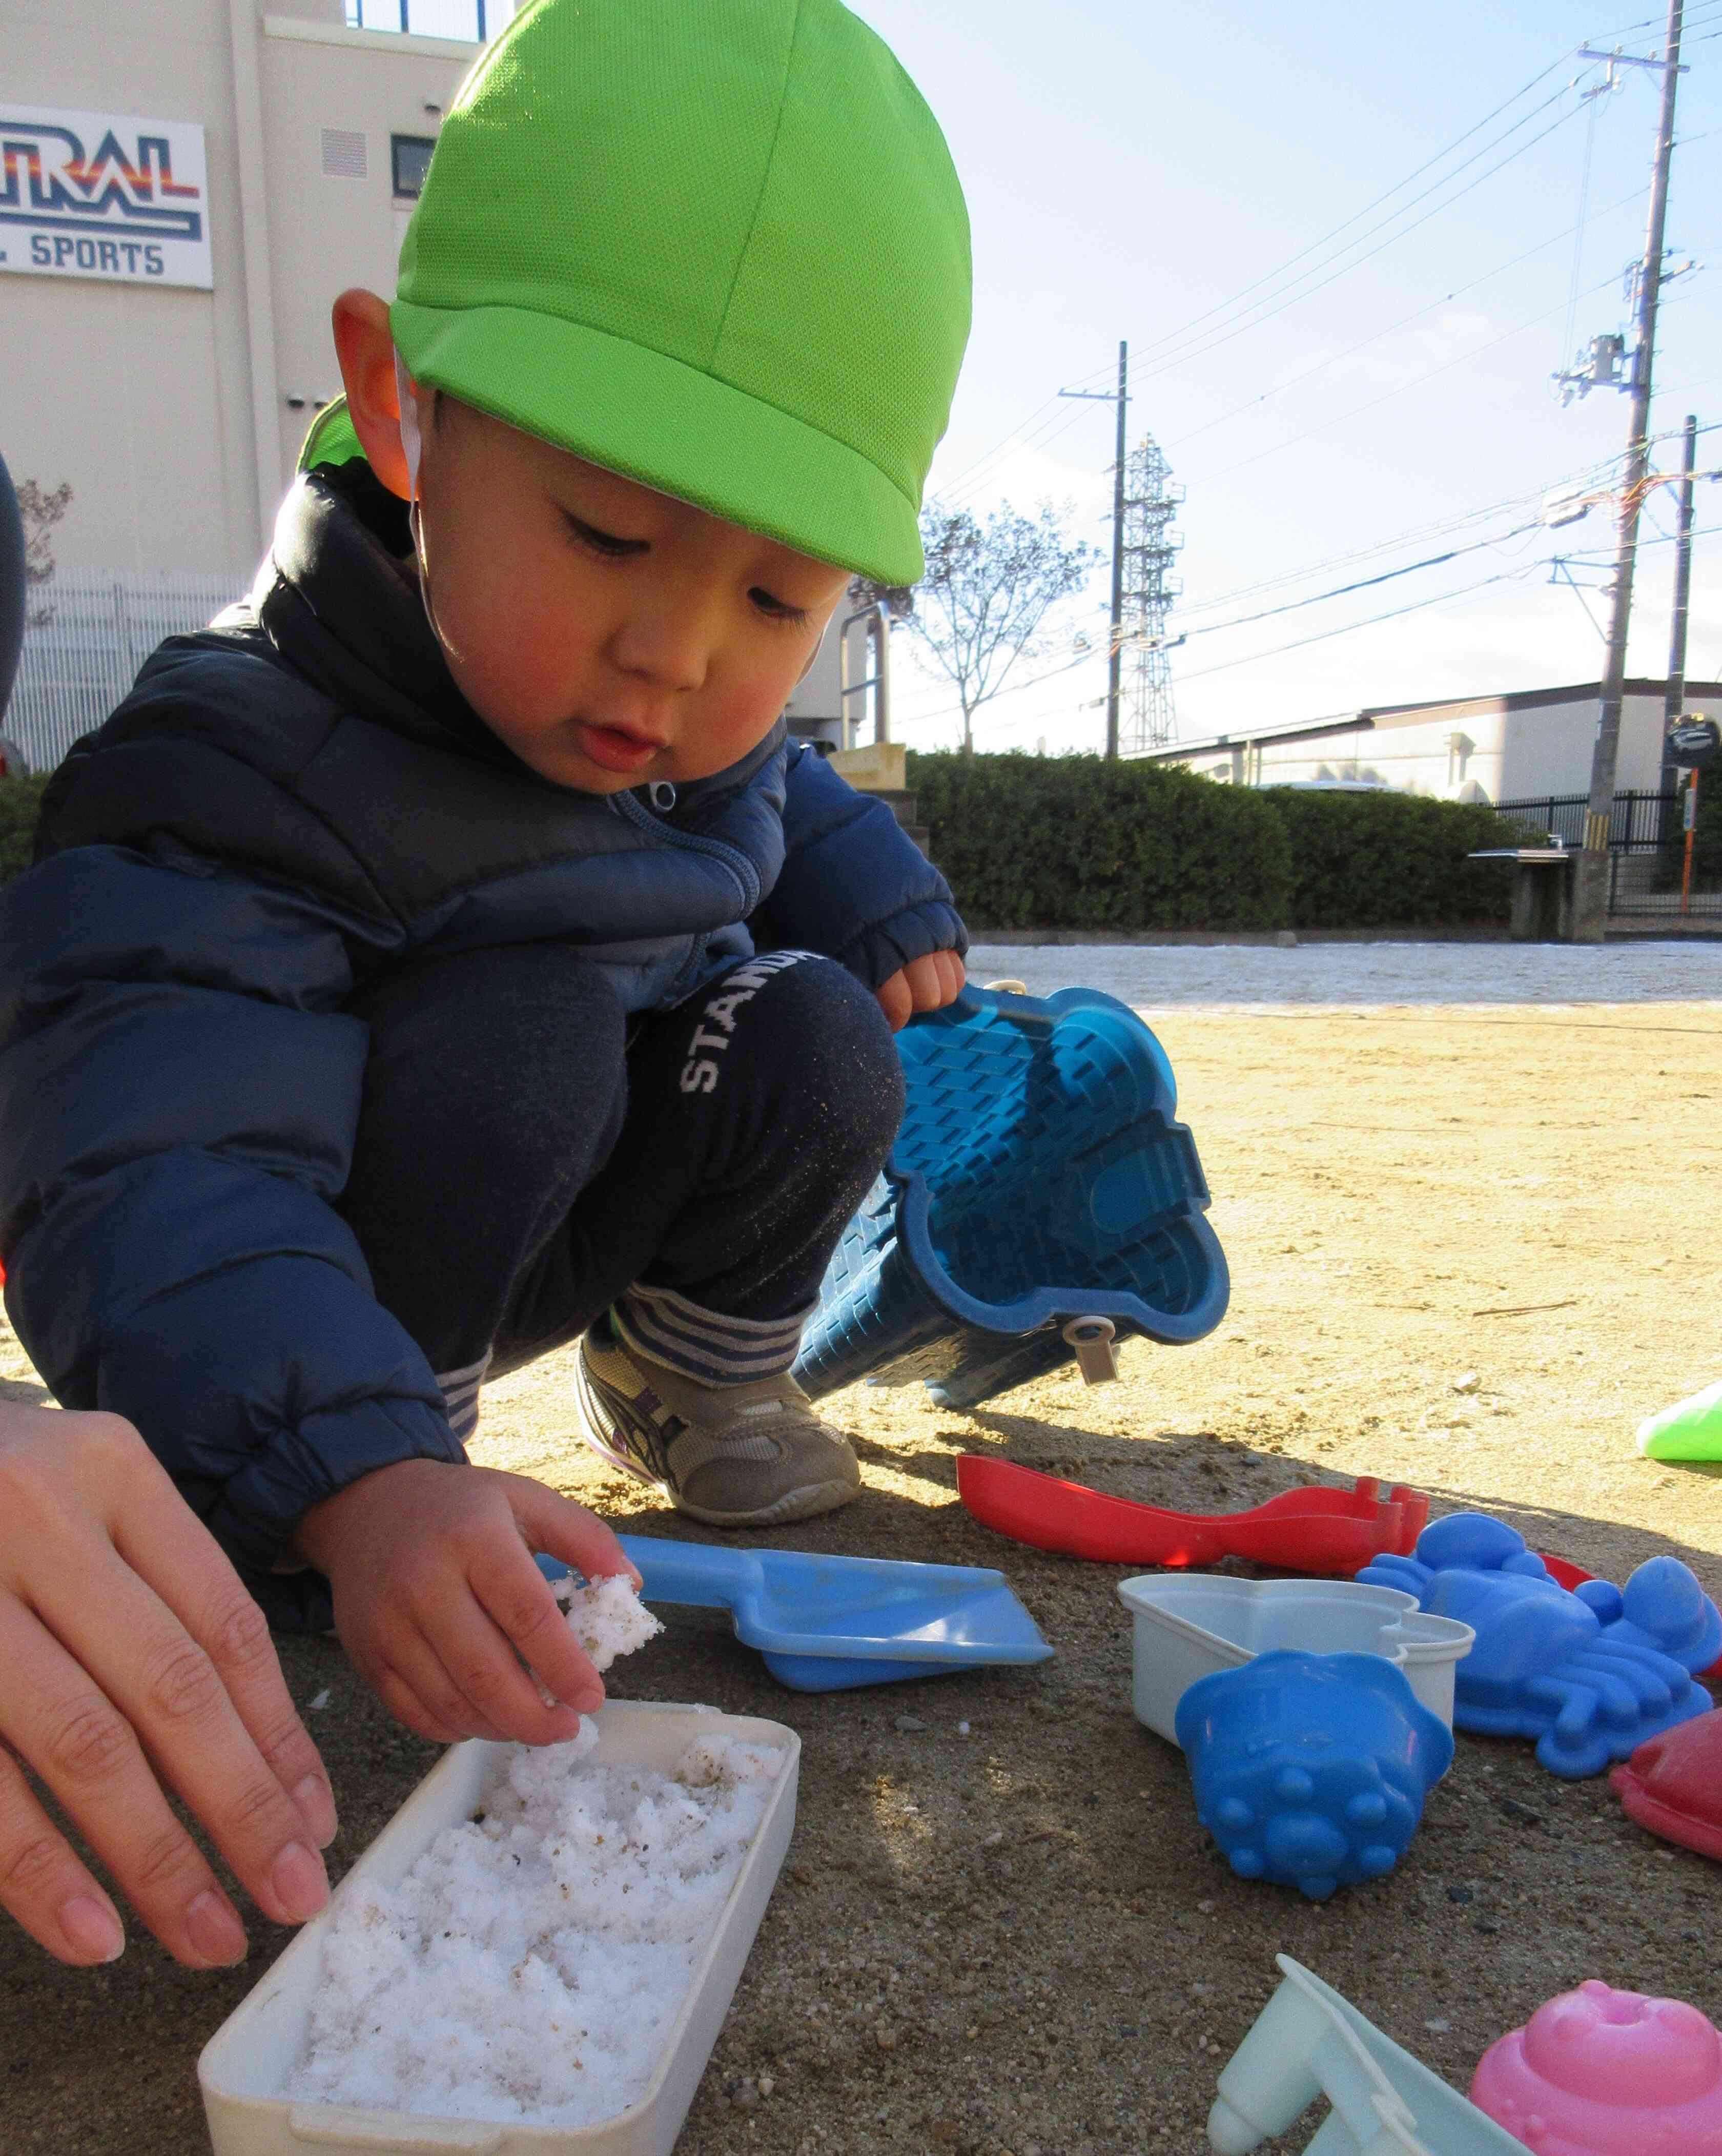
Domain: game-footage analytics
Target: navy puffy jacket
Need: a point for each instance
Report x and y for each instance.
(286, 803)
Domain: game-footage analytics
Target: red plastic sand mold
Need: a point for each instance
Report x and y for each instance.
(1315, 1529)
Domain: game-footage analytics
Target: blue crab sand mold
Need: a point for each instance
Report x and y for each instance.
(1589, 1674)
(1038, 1176)
(1311, 1769)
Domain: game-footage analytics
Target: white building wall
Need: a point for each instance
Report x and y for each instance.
(165, 407)
(1484, 752)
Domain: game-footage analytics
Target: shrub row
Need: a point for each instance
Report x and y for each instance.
(20, 798)
(1075, 842)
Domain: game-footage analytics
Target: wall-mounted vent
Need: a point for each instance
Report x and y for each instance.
(344, 154)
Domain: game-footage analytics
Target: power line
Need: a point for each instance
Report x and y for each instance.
(1404, 322)
(1357, 411)
(1268, 277)
(1348, 629)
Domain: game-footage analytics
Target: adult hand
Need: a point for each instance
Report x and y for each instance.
(431, 1563)
(924, 984)
(128, 1643)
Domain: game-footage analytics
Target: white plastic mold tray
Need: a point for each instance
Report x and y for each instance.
(1310, 2041)
(245, 2062)
(1186, 1625)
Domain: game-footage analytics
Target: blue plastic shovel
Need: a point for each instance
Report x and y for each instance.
(825, 1624)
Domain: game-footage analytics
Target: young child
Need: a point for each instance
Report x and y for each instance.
(446, 955)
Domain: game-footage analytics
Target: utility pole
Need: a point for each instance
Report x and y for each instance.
(1589, 906)
(1115, 640)
(1676, 696)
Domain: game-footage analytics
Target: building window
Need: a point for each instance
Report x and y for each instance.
(472, 22)
(344, 154)
(409, 156)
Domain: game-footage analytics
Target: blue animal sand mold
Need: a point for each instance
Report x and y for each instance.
(1311, 1769)
(1038, 1177)
(1591, 1673)
(828, 1624)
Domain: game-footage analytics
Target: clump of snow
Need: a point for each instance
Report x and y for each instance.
(607, 1617)
(530, 1965)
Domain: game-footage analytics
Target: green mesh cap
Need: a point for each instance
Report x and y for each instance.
(718, 245)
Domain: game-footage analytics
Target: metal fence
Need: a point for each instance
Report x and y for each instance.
(78, 662)
(1646, 844)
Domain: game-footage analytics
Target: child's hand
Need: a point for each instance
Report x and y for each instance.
(923, 984)
(431, 1566)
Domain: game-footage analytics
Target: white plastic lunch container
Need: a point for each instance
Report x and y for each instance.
(246, 2060)
(1187, 1625)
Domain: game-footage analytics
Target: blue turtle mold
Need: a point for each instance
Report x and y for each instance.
(1589, 1673)
(1311, 1769)
(1038, 1177)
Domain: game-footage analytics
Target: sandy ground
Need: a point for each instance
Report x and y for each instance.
(1020, 1939)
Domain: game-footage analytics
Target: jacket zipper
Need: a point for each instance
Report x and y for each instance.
(730, 857)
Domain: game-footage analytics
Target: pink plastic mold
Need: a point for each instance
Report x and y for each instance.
(1599, 2072)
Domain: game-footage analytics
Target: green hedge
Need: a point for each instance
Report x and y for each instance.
(1391, 860)
(20, 799)
(1075, 842)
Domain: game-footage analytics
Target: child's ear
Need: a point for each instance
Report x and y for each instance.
(365, 348)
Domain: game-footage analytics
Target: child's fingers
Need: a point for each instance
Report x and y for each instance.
(438, 1663)
(519, 1602)
(896, 1000)
(404, 1703)
(559, 1527)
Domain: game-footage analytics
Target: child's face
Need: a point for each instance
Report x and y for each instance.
(610, 635)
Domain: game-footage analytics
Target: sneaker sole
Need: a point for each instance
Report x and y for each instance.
(795, 1505)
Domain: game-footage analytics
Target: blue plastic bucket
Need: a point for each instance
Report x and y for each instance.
(1038, 1177)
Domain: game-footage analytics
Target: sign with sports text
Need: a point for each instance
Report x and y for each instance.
(94, 194)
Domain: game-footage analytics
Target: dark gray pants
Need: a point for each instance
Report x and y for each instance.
(521, 1161)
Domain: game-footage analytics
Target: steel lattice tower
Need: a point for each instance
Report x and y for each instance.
(1150, 719)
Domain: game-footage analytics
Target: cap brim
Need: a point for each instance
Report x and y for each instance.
(669, 425)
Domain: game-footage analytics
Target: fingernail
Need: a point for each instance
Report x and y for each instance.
(300, 1886)
(215, 1930)
(317, 1807)
(92, 1932)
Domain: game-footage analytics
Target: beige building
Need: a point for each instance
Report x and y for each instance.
(1516, 746)
(168, 374)
(184, 189)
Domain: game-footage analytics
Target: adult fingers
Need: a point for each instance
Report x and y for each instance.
(43, 1884)
(84, 1749)
(159, 1567)
(172, 1681)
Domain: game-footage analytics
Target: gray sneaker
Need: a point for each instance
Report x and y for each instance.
(745, 1456)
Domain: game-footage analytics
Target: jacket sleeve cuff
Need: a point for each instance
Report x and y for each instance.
(886, 947)
(261, 1504)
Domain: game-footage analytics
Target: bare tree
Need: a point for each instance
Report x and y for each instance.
(41, 509)
(988, 589)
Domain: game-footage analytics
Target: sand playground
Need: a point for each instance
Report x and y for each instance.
(1466, 1195)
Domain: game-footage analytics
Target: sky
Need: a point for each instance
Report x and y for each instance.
(1374, 398)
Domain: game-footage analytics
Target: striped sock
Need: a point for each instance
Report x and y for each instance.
(460, 1392)
(704, 1344)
